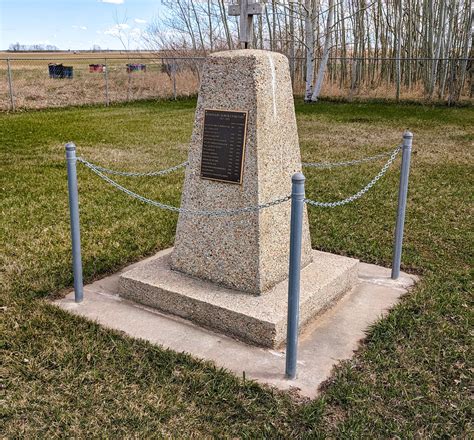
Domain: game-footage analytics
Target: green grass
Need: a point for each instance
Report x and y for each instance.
(67, 377)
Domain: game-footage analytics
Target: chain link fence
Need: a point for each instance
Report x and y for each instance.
(449, 80)
(33, 83)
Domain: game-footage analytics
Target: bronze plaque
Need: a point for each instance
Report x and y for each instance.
(223, 145)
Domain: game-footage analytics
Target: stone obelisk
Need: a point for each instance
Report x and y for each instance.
(247, 252)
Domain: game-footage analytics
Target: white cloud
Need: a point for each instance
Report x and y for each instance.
(116, 29)
(81, 28)
(135, 33)
(139, 21)
(113, 2)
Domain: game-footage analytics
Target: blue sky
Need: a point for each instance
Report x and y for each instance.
(75, 24)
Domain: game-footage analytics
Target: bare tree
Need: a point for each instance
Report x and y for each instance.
(405, 46)
(326, 50)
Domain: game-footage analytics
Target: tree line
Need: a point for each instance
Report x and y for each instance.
(17, 47)
(419, 47)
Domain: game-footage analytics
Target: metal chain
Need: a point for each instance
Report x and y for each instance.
(359, 194)
(224, 212)
(328, 165)
(132, 173)
(210, 213)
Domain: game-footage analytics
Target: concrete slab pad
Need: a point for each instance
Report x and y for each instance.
(257, 319)
(332, 337)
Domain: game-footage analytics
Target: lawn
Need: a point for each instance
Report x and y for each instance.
(67, 377)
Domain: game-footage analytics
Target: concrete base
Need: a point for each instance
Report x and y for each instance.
(259, 320)
(327, 340)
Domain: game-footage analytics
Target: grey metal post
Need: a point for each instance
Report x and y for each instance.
(106, 77)
(402, 203)
(173, 73)
(10, 85)
(74, 213)
(296, 231)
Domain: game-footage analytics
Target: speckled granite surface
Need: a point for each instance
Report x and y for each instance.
(247, 252)
(259, 320)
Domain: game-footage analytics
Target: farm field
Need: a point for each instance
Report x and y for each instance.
(65, 376)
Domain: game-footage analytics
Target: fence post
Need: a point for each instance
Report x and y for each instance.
(10, 86)
(129, 81)
(402, 203)
(173, 72)
(74, 214)
(296, 231)
(106, 77)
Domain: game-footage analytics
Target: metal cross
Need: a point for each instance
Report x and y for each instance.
(246, 11)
